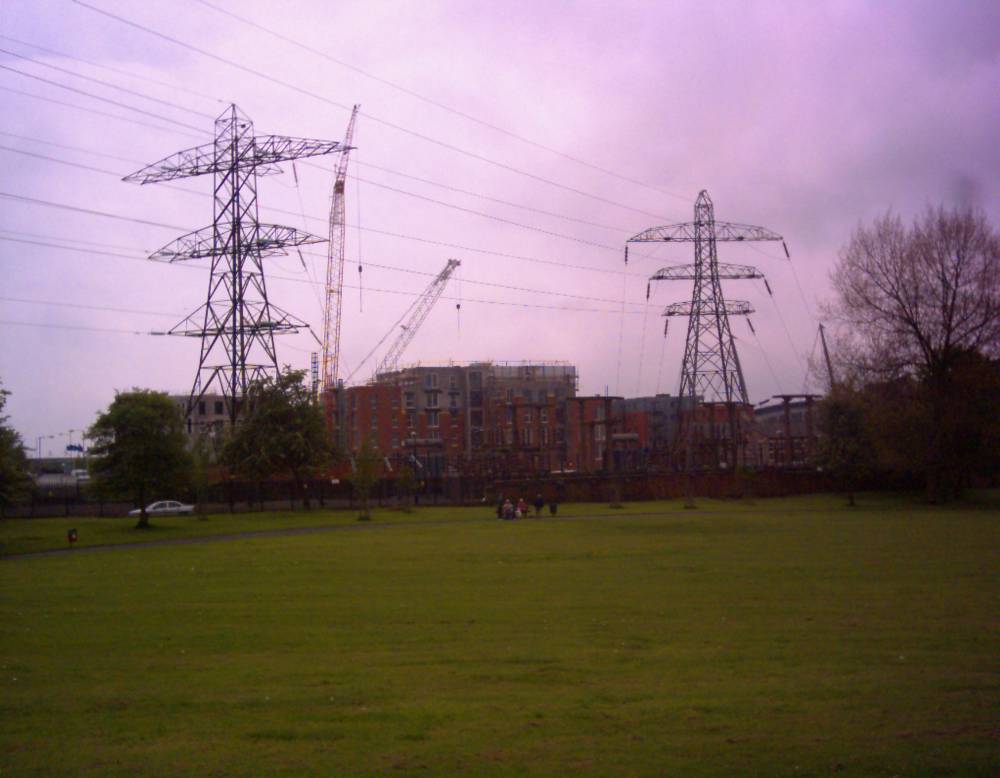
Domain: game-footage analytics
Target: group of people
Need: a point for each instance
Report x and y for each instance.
(506, 509)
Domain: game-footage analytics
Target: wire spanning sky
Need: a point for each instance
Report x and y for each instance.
(529, 140)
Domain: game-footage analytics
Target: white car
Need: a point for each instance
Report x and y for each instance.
(165, 508)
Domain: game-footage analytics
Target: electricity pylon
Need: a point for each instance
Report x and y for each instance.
(334, 300)
(237, 323)
(711, 367)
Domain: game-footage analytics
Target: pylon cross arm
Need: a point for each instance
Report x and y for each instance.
(688, 232)
(727, 307)
(687, 272)
(270, 239)
(262, 152)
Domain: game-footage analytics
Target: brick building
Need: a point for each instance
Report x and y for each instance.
(483, 418)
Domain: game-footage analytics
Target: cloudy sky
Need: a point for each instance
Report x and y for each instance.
(527, 139)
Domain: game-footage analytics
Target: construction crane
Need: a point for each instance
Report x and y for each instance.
(414, 317)
(334, 300)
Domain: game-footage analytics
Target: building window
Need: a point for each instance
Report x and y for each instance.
(395, 441)
(545, 436)
(431, 380)
(201, 407)
(452, 381)
(411, 419)
(508, 436)
(527, 415)
(453, 402)
(600, 413)
(599, 432)
(431, 399)
(543, 415)
(526, 436)
(218, 408)
(374, 402)
(374, 422)
(529, 396)
(410, 400)
(475, 399)
(432, 418)
(475, 380)
(476, 418)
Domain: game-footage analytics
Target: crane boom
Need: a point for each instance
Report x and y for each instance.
(333, 302)
(415, 317)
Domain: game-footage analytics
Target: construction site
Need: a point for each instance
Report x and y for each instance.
(480, 422)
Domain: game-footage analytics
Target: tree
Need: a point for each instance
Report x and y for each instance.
(282, 433)
(845, 449)
(14, 479)
(406, 483)
(139, 448)
(367, 469)
(919, 307)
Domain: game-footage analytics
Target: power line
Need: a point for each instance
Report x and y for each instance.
(437, 103)
(89, 211)
(92, 96)
(492, 284)
(103, 83)
(413, 194)
(314, 218)
(96, 112)
(370, 117)
(108, 308)
(74, 327)
(119, 71)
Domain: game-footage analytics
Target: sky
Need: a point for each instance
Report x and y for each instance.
(527, 140)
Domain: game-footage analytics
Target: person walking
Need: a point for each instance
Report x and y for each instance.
(539, 504)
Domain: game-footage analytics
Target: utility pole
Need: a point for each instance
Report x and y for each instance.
(711, 368)
(237, 323)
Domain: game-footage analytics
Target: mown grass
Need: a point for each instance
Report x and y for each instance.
(23, 536)
(782, 638)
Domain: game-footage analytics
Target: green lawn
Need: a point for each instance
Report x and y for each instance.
(778, 638)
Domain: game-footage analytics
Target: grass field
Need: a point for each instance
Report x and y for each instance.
(778, 638)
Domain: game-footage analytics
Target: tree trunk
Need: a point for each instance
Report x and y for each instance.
(143, 517)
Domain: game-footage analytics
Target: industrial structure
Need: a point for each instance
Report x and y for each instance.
(414, 317)
(333, 301)
(711, 366)
(237, 323)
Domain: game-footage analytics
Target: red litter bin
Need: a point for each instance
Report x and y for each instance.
(71, 537)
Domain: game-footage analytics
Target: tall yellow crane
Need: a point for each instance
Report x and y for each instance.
(334, 300)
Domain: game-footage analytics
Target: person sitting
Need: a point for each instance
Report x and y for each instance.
(508, 509)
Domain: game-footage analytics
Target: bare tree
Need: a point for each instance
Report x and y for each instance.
(919, 304)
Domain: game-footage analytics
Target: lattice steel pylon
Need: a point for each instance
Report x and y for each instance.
(711, 367)
(237, 323)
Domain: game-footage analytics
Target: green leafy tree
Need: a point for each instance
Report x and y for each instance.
(283, 432)
(406, 484)
(139, 449)
(14, 479)
(367, 469)
(919, 309)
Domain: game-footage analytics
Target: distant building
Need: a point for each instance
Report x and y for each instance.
(483, 418)
(786, 432)
(208, 416)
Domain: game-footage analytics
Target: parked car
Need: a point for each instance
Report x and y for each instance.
(165, 508)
